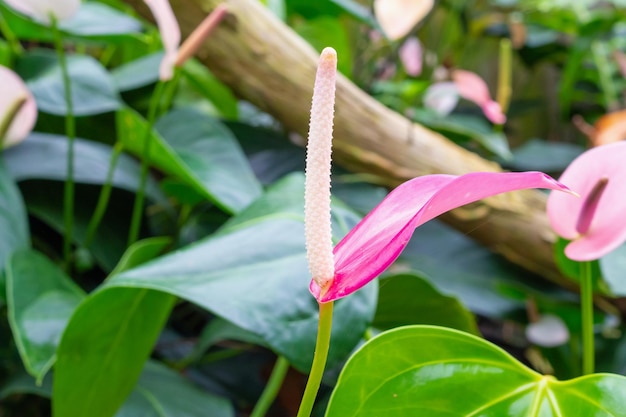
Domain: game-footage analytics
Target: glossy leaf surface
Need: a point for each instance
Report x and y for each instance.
(93, 91)
(13, 219)
(198, 150)
(405, 299)
(41, 298)
(434, 371)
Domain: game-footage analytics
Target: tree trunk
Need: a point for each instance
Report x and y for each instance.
(263, 61)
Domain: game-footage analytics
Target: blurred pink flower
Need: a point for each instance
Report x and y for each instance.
(170, 35)
(42, 10)
(473, 88)
(441, 97)
(411, 56)
(594, 222)
(13, 91)
(368, 249)
(398, 17)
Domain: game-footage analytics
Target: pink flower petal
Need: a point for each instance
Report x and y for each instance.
(473, 88)
(608, 227)
(381, 236)
(170, 35)
(411, 56)
(13, 89)
(398, 17)
(441, 97)
(41, 10)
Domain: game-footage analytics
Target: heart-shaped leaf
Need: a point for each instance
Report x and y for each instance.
(439, 372)
(93, 91)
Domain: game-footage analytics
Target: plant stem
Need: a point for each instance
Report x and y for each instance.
(586, 301)
(8, 34)
(271, 389)
(145, 164)
(319, 359)
(105, 194)
(70, 131)
(505, 71)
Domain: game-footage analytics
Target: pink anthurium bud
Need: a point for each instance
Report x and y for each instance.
(380, 237)
(595, 221)
(44, 10)
(18, 110)
(411, 55)
(473, 88)
(170, 35)
(317, 220)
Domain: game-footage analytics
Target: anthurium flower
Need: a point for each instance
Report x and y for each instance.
(375, 242)
(44, 10)
(473, 88)
(18, 110)
(595, 221)
(411, 53)
(398, 17)
(170, 35)
(441, 97)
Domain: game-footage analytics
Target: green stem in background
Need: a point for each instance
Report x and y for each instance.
(599, 52)
(5, 123)
(586, 301)
(14, 42)
(105, 194)
(272, 388)
(135, 223)
(319, 359)
(168, 93)
(505, 74)
(70, 131)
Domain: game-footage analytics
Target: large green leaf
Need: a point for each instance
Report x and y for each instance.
(41, 298)
(106, 343)
(103, 349)
(13, 219)
(93, 21)
(410, 299)
(253, 273)
(434, 371)
(161, 392)
(197, 149)
(44, 156)
(93, 91)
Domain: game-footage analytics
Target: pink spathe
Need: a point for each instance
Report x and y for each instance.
(603, 218)
(42, 10)
(170, 35)
(473, 88)
(411, 54)
(380, 237)
(13, 91)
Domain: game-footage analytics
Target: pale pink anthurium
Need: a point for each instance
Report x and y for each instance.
(44, 10)
(170, 35)
(473, 88)
(15, 91)
(411, 55)
(595, 222)
(374, 243)
(398, 17)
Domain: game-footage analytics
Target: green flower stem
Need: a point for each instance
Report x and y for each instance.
(70, 131)
(505, 74)
(168, 93)
(8, 34)
(586, 301)
(271, 389)
(145, 163)
(105, 194)
(319, 359)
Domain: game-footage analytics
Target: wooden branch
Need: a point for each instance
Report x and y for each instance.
(268, 64)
